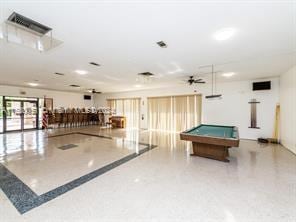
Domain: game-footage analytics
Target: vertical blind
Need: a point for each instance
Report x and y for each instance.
(130, 108)
(174, 113)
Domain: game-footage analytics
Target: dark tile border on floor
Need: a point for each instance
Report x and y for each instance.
(24, 199)
(85, 134)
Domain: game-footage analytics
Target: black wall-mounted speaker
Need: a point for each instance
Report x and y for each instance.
(266, 85)
(87, 97)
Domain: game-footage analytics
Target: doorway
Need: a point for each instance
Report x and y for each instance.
(20, 114)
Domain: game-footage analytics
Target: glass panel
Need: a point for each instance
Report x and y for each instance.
(13, 115)
(30, 112)
(41, 105)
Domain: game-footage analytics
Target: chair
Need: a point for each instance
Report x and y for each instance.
(51, 118)
(64, 118)
(80, 118)
(76, 117)
(70, 117)
(102, 121)
(57, 117)
(85, 119)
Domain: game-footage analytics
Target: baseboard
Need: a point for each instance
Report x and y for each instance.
(289, 149)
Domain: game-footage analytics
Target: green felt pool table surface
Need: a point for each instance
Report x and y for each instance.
(214, 131)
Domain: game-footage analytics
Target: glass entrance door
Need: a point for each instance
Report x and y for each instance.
(30, 114)
(20, 114)
(12, 118)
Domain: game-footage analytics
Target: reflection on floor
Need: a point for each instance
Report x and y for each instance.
(164, 184)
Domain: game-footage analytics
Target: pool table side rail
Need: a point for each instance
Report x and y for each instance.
(231, 142)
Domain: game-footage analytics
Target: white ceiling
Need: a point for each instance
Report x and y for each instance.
(122, 36)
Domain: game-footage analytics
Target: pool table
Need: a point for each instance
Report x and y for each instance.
(212, 141)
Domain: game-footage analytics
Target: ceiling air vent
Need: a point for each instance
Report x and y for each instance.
(94, 63)
(76, 86)
(59, 74)
(28, 23)
(147, 74)
(162, 44)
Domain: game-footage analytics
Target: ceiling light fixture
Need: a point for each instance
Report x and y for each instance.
(33, 84)
(81, 72)
(228, 74)
(144, 77)
(224, 34)
(138, 86)
(214, 86)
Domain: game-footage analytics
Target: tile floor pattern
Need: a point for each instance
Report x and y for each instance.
(164, 184)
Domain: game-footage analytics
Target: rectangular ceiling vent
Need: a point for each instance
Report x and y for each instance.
(75, 86)
(27, 23)
(162, 44)
(147, 74)
(59, 74)
(94, 63)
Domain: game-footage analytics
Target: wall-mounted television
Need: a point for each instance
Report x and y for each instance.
(266, 85)
(87, 97)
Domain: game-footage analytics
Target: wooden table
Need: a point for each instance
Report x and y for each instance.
(118, 121)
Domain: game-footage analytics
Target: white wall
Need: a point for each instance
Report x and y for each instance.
(60, 99)
(232, 109)
(288, 109)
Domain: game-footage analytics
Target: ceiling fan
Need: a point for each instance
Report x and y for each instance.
(94, 91)
(191, 80)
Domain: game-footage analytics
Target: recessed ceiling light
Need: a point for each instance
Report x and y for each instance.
(228, 74)
(224, 34)
(81, 72)
(33, 84)
(138, 86)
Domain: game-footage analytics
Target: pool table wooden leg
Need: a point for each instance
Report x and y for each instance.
(211, 151)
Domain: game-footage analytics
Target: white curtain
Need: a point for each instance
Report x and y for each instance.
(160, 113)
(130, 108)
(174, 113)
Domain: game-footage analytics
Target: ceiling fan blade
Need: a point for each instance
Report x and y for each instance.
(199, 81)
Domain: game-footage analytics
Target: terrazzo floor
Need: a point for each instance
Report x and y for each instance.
(162, 184)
